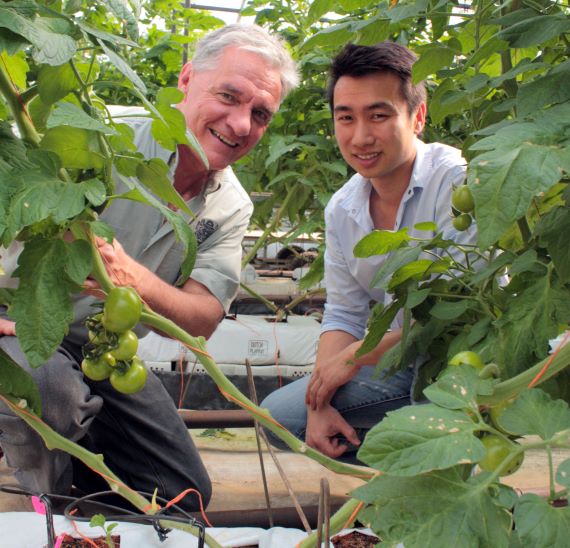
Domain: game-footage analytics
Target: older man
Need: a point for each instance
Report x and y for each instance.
(232, 87)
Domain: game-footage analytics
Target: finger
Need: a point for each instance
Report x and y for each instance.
(349, 433)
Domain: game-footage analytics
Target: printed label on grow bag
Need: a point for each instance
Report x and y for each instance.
(257, 348)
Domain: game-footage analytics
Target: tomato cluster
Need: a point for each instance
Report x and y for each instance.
(501, 447)
(112, 347)
(462, 205)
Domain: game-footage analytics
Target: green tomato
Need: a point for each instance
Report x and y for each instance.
(497, 411)
(96, 370)
(497, 450)
(127, 345)
(462, 199)
(130, 380)
(467, 357)
(462, 222)
(122, 309)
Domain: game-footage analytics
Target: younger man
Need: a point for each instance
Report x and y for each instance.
(400, 181)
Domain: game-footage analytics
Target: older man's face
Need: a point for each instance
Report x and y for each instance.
(229, 108)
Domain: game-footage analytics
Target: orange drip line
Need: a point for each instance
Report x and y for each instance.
(353, 515)
(87, 539)
(547, 364)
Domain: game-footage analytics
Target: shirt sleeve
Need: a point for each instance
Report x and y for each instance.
(218, 264)
(348, 304)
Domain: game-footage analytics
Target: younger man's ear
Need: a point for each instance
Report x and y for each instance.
(420, 118)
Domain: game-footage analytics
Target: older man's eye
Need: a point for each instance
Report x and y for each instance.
(262, 116)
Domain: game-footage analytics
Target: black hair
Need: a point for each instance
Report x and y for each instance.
(357, 61)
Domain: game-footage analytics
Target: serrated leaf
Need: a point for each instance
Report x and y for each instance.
(534, 412)
(535, 30)
(79, 261)
(421, 438)
(435, 510)
(122, 11)
(153, 174)
(418, 270)
(42, 307)
(552, 230)
(68, 114)
(77, 148)
(379, 242)
(50, 47)
(394, 261)
(504, 182)
(540, 525)
(432, 58)
(45, 197)
(530, 321)
(123, 67)
(458, 388)
(106, 36)
(17, 383)
(380, 320)
(546, 90)
(54, 83)
(450, 310)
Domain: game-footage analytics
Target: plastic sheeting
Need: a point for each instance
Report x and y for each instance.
(28, 530)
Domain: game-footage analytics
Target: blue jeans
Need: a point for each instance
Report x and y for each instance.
(362, 402)
(141, 436)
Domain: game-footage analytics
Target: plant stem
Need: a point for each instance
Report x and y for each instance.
(274, 223)
(514, 385)
(342, 519)
(17, 108)
(53, 440)
(259, 297)
(228, 389)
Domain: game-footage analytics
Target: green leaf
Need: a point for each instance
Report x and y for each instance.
(552, 231)
(44, 197)
(535, 30)
(379, 242)
(77, 148)
(546, 90)
(534, 412)
(98, 520)
(318, 8)
(540, 525)
(394, 261)
(421, 438)
(153, 174)
(380, 320)
(315, 273)
(68, 114)
(530, 321)
(458, 388)
(123, 67)
(446, 310)
(122, 11)
(17, 383)
(419, 270)
(54, 83)
(563, 474)
(79, 261)
(105, 36)
(432, 58)
(504, 182)
(42, 307)
(50, 47)
(438, 509)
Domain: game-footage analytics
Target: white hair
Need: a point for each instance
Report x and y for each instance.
(251, 38)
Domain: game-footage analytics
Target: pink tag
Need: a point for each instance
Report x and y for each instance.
(58, 541)
(38, 505)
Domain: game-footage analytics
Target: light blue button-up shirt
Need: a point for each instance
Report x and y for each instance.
(437, 168)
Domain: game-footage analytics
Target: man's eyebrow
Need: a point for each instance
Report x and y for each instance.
(372, 106)
(230, 88)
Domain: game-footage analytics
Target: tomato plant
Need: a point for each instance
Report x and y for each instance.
(497, 451)
(126, 347)
(96, 370)
(468, 357)
(462, 222)
(462, 199)
(129, 379)
(122, 309)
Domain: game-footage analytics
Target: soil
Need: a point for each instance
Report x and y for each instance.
(354, 539)
(101, 542)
